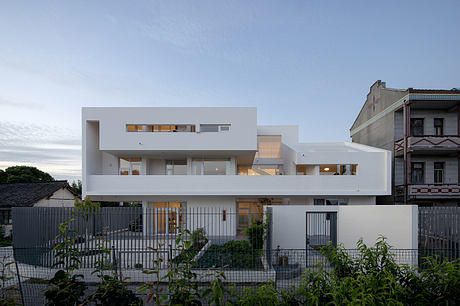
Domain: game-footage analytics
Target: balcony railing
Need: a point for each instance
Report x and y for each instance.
(429, 190)
(429, 142)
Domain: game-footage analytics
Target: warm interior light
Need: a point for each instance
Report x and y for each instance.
(326, 169)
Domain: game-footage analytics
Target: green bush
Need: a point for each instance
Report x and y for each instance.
(255, 233)
(234, 254)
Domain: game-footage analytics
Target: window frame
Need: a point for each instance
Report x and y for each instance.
(439, 173)
(441, 126)
(131, 164)
(413, 127)
(413, 169)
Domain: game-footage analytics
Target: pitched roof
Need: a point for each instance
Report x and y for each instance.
(27, 194)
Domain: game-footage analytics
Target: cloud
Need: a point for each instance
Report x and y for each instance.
(52, 149)
(20, 104)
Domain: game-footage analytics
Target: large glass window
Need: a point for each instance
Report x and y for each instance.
(161, 128)
(176, 167)
(333, 169)
(210, 167)
(268, 146)
(169, 217)
(418, 173)
(416, 127)
(259, 170)
(130, 166)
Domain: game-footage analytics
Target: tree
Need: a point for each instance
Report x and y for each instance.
(24, 174)
(2, 176)
(76, 186)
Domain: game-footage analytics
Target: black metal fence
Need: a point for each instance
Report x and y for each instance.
(137, 237)
(241, 268)
(439, 231)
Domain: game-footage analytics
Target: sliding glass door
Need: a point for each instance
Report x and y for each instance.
(168, 217)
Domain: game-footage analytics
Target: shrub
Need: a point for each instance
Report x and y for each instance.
(255, 233)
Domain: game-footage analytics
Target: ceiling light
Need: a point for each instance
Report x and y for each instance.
(326, 169)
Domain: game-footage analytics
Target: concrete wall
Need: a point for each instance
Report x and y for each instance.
(113, 121)
(61, 198)
(399, 224)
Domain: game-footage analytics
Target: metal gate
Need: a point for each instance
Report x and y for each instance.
(321, 229)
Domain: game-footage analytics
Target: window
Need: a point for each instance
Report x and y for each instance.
(333, 202)
(438, 126)
(176, 167)
(418, 173)
(268, 147)
(210, 167)
(416, 127)
(301, 170)
(333, 169)
(168, 216)
(130, 166)
(162, 128)
(206, 128)
(259, 170)
(439, 172)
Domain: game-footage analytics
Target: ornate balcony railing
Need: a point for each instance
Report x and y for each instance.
(433, 190)
(429, 142)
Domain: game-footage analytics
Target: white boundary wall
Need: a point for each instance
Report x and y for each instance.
(399, 224)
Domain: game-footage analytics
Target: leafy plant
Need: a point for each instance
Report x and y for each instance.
(257, 232)
(260, 296)
(8, 292)
(154, 290)
(234, 254)
(112, 288)
(66, 288)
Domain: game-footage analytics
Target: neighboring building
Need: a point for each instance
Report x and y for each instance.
(43, 194)
(177, 158)
(422, 129)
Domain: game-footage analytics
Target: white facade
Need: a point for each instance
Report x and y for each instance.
(219, 157)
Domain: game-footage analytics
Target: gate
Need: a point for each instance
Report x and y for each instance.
(321, 230)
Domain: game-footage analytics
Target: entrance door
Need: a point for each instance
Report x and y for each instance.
(321, 229)
(168, 217)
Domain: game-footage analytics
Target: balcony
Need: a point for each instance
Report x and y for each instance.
(237, 185)
(427, 191)
(447, 143)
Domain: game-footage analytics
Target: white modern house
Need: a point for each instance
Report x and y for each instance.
(220, 158)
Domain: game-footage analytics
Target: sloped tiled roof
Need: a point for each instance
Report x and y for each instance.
(27, 194)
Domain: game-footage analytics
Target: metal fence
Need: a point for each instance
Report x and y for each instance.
(136, 238)
(439, 231)
(284, 268)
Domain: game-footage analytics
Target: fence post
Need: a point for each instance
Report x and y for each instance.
(19, 277)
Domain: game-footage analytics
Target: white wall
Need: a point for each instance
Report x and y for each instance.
(61, 198)
(113, 120)
(398, 223)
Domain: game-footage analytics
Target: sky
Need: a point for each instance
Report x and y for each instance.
(306, 63)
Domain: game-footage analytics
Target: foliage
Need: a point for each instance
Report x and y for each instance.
(257, 231)
(112, 288)
(234, 254)
(8, 293)
(24, 174)
(66, 288)
(260, 296)
(76, 187)
(5, 241)
(198, 241)
(3, 177)
(86, 203)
